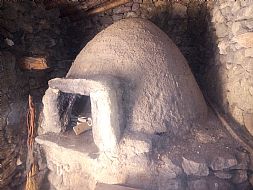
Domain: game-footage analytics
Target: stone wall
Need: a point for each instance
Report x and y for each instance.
(230, 71)
(26, 29)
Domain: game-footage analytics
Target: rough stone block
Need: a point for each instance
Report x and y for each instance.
(244, 40)
(195, 168)
(223, 175)
(249, 52)
(221, 163)
(179, 10)
(168, 170)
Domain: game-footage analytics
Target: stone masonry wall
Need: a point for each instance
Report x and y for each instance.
(230, 71)
(26, 29)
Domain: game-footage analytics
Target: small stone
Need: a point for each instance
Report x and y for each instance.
(244, 13)
(223, 175)
(9, 42)
(194, 168)
(179, 10)
(147, 1)
(121, 9)
(223, 45)
(243, 158)
(161, 4)
(224, 4)
(221, 163)
(226, 11)
(135, 6)
(249, 52)
(168, 170)
(221, 30)
(235, 27)
(19, 162)
(131, 15)
(239, 56)
(106, 20)
(235, 7)
(203, 137)
(217, 16)
(249, 24)
(240, 176)
(136, 144)
(246, 3)
(117, 17)
(244, 40)
(199, 184)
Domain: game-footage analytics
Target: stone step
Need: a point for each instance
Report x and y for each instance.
(103, 186)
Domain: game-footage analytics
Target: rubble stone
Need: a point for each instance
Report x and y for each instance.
(244, 40)
(194, 168)
(117, 17)
(121, 9)
(221, 163)
(223, 175)
(249, 52)
(135, 6)
(168, 170)
(221, 30)
(240, 176)
(179, 10)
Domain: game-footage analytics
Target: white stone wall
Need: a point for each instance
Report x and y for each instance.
(230, 75)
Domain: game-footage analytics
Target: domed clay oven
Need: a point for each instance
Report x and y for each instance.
(138, 82)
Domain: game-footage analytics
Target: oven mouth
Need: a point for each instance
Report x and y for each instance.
(82, 105)
(75, 112)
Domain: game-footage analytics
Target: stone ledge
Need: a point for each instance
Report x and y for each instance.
(69, 142)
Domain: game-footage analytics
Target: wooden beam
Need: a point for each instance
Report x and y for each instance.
(86, 4)
(33, 63)
(107, 6)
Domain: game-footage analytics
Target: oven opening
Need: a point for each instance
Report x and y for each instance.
(76, 113)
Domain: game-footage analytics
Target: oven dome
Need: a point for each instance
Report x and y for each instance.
(160, 93)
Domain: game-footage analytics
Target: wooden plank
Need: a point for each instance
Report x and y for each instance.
(81, 128)
(87, 4)
(103, 186)
(33, 63)
(107, 6)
